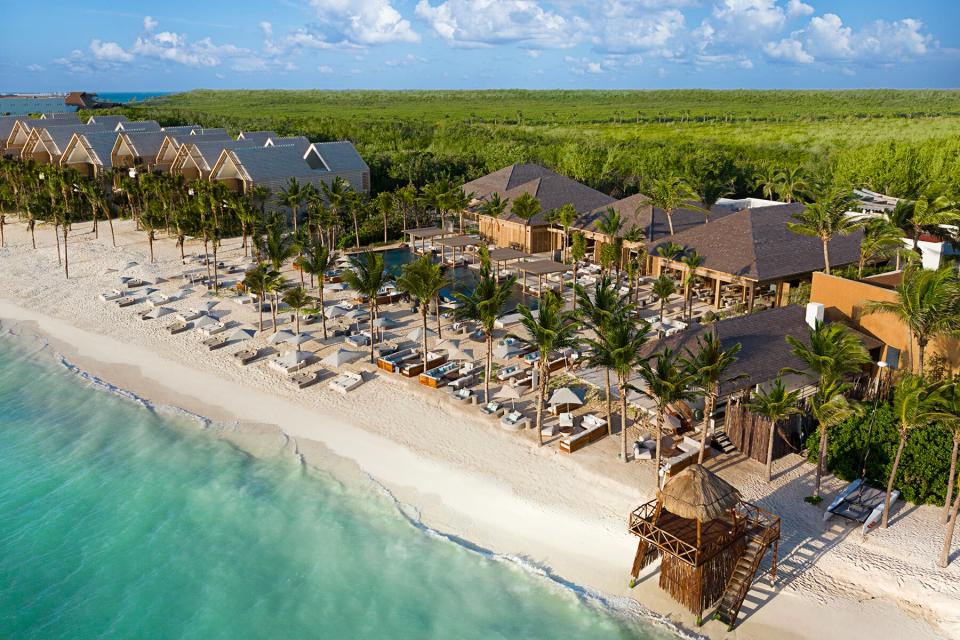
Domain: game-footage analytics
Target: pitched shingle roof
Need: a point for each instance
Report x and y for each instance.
(210, 150)
(102, 144)
(756, 244)
(258, 136)
(636, 211)
(182, 128)
(764, 350)
(550, 188)
(113, 121)
(267, 163)
(6, 125)
(140, 125)
(61, 134)
(340, 156)
(146, 143)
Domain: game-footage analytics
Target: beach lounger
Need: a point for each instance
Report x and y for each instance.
(125, 301)
(462, 394)
(216, 342)
(190, 315)
(304, 379)
(346, 382)
(292, 361)
(133, 283)
(213, 329)
(109, 296)
(246, 356)
(491, 408)
(177, 327)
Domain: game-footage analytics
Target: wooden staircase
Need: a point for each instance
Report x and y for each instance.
(721, 442)
(742, 578)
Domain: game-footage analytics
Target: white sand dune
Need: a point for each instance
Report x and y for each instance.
(464, 474)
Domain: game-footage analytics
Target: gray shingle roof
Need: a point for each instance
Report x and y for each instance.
(107, 119)
(764, 350)
(300, 142)
(141, 125)
(258, 136)
(61, 134)
(341, 156)
(102, 144)
(6, 125)
(210, 150)
(550, 188)
(182, 128)
(636, 211)
(756, 244)
(268, 163)
(147, 143)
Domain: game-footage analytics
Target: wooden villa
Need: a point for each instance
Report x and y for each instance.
(46, 144)
(90, 154)
(751, 257)
(709, 540)
(552, 190)
(177, 137)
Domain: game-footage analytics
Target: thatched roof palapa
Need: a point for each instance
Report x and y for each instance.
(698, 494)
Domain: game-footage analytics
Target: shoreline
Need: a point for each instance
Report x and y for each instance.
(574, 527)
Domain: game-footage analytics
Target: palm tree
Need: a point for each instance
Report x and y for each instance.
(932, 209)
(610, 224)
(255, 281)
(316, 260)
(248, 218)
(384, 204)
(825, 220)
(297, 299)
(458, 200)
(928, 303)
(618, 346)
(710, 190)
(292, 196)
(604, 307)
(578, 251)
(711, 363)
(367, 274)
(670, 250)
(951, 403)
(916, 404)
(692, 261)
(663, 288)
(336, 195)
(275, 285)
(484, 305)
(552, 329)
(774, 404)
(670, 194)
(423, 280)
(259, 195)
(791, 184)
(881, 239)
(666, 381)
(768, 181)
(98, 202)
(494, 206)
(526, 206)
(831, 353)
(565, 216)
(356, 207)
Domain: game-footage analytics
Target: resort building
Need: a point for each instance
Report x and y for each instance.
(26, 104)
(197, 156)
(137, 149)
(46, 143)
(176, 137)
(273, 165)
(89, 153)
(257, 136)
(846, 300)
(751, 257)
(552, 190)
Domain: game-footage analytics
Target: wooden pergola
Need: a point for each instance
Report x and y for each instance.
(539, 268)
(423, 234)
(456, 242)
(501, 256)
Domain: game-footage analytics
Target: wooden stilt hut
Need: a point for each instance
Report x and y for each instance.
(709, 540)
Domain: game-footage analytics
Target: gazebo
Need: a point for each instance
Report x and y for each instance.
(710, 542)
(539, 268)
(456, 242)
(423, 234)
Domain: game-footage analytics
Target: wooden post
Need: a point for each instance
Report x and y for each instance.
(751, 291)
(716, 293)
(773, 563)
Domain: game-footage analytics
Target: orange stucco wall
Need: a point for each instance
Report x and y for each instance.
(845, 299)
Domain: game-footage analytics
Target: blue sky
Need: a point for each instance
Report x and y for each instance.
(399, 44)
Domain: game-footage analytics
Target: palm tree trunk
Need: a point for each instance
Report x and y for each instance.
(773, 428)
(656, 468)
(826, 257)
(486, 370)
(921, 348)
(66, 258)
(356, 230)
(113, 238)
(150, 241)
(623, 417)
(609, 405)
(948, 538)
(33, 237)
(439, 331)
(950, 481)
(323, 315)
(821, 461)
(216, 274)
(670, 220)
(423, 311)
(3, 221)
(892, 478)
(56, 236)
(372, 310)
(541, 394)
(707, 412)
(261, 312)
(273, 311)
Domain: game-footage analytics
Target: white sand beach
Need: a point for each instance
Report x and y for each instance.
(465, 475)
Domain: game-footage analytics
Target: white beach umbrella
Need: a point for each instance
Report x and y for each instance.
(384, 323)
(299, 338)
(239, 335)
(334, 312)
(129, 265)
(417, 334)
(280, 337)
(455, 352)
(335, 286)
(341, 356)
(506, 392)
(565, 397)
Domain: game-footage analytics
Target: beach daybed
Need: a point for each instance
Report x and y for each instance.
(213, 328)
(593, 430)
(125, 301)
(218, 341)
(190, 315)
(291, 361)
(392, 362)
(492, 408)
(109, 296)
(688, 450)
(513, 421)
(304, 379)
(434, 377)
(177, 327)
(508, 372)
(462, 394)
(246, 356)
(346, 382)
(415, 367)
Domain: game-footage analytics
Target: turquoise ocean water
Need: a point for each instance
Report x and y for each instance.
(121, 521)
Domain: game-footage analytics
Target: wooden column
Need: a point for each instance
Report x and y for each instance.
(751, 290)
(716, 293)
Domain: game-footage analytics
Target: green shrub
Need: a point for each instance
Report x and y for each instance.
(922, 476)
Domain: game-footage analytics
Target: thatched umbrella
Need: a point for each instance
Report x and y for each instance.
(698, 494)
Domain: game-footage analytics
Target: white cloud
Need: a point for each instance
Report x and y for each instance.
(582, 66)
(149, 23)
(75, 63)
(798, 8)
(109, 52)
(35, 68)
(175, 47)
(405, 61)
(622, 27)
(473, 23)
(266, 28)
(788, 50)
(362, 22)
(325, 69)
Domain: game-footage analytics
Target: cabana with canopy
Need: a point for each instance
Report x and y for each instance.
(539, 268)
(710, 542)
(423, 234)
